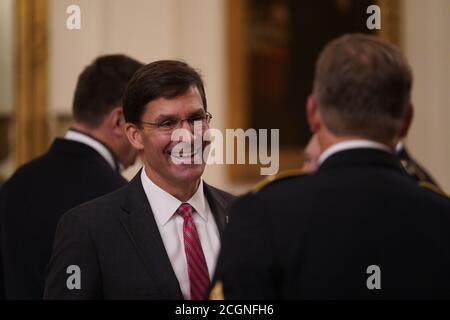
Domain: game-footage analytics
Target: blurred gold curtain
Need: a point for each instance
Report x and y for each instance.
(238, 87)
(391, 21)
(31, 126)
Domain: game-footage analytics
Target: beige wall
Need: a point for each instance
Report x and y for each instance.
(147, 30)
(142, 29)
(6, 56)
(194, 30)
(7, 82)
(427, 45)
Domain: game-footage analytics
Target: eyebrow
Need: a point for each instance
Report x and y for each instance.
(199, 111)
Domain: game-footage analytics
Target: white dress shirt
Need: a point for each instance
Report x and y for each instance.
(352, 144)
(170, 225)
(94, 144)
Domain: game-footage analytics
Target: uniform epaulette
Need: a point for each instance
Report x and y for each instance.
(217, 292)
(276, 177)
(413, 169)
(434, 188)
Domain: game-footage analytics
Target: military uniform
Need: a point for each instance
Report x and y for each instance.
(319, 236)
(413, 168)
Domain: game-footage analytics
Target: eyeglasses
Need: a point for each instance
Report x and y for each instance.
(173, 123)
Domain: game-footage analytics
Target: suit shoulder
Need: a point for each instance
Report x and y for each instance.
(27, 170)
(98, 207)
(278, 179)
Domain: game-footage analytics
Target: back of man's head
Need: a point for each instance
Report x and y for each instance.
(363, 87)
(100, 88)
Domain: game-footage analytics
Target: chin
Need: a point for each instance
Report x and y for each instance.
(185, 173)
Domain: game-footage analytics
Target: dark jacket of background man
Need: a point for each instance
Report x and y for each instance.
(70, 173)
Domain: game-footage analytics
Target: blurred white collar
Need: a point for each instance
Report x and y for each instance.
(399, 147)
(94, 144)
(352, 144)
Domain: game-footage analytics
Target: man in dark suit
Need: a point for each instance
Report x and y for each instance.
(82, 166)
(159, 236)
(359, 228)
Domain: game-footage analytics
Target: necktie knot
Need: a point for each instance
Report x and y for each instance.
(185, 210)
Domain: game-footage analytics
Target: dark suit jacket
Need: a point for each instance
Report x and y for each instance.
(313, 237)
(116, 243)
(32, 202)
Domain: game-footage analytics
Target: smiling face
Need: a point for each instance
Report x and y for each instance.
(156, 142)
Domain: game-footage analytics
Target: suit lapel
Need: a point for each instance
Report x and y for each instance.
(218, 207)
(140, 224)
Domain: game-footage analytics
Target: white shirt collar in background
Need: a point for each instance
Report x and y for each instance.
(94, 144)
(399, 147)
(352, 144)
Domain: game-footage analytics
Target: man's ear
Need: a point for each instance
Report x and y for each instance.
(116, 121)
(407, 121)
(312, 114)
(134, 135)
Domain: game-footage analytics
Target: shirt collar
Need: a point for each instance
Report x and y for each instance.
(399, 147)
(352, 144)
(75, 135)
(164, 205)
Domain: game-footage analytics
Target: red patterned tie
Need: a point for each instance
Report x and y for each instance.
(196, 263)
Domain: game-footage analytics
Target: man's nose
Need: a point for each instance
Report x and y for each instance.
(185, 124)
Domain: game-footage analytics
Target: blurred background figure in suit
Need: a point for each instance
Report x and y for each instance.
(411, 166)
(359, 228)
(84, 165)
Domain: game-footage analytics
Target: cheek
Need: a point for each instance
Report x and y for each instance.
(154, 146)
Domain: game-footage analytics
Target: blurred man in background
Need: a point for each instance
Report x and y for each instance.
(84, 165)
